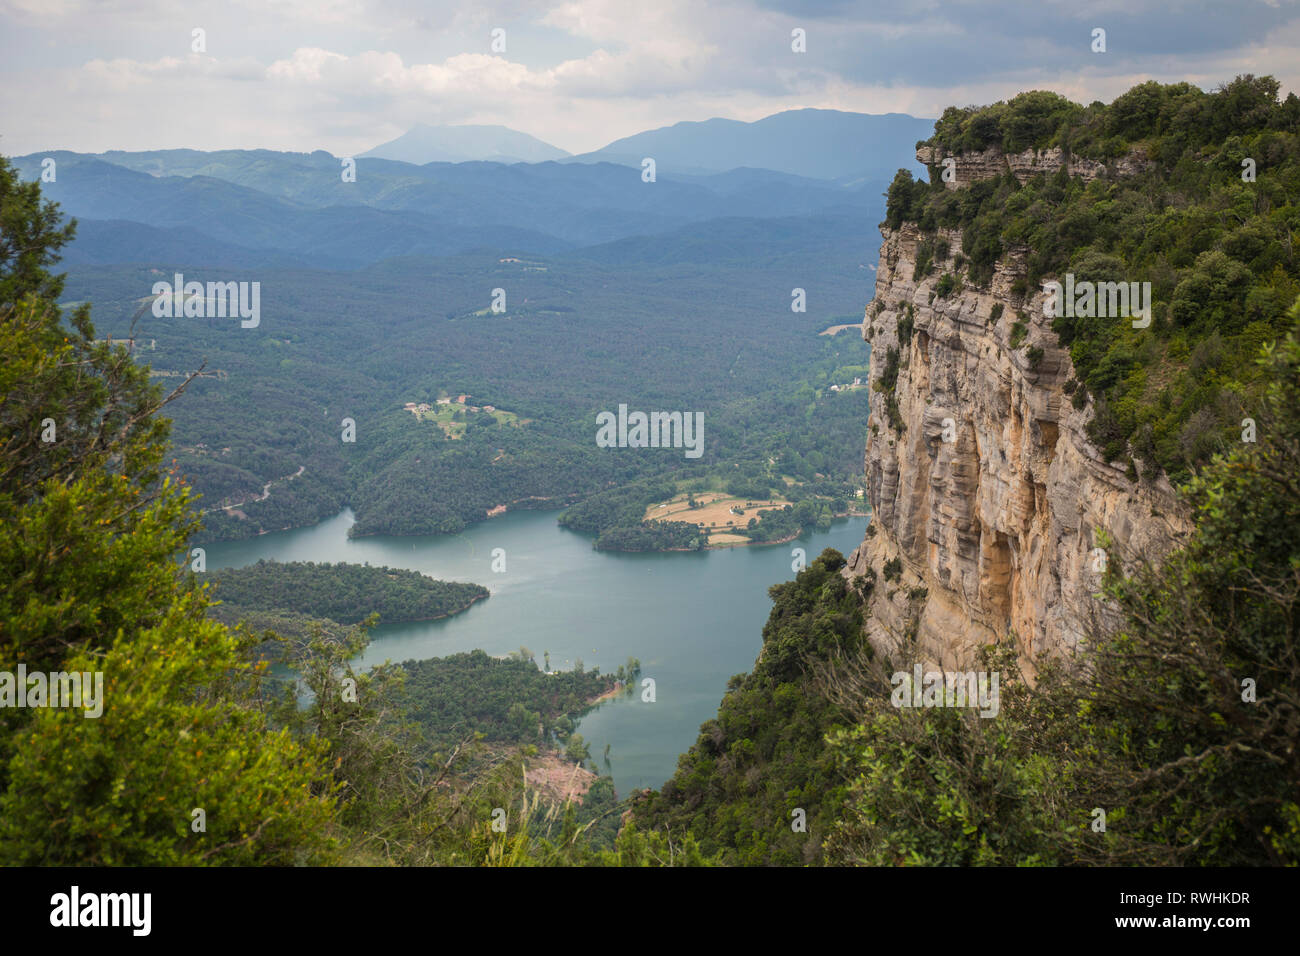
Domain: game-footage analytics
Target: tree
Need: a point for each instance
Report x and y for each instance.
(577, 749)
(901, 199)
(90, 523)
(30, 238)
(523, 722)
(181, 731)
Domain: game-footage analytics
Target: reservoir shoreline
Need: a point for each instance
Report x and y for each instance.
(693, 619)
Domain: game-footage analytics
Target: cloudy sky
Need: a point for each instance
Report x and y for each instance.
(345, 75)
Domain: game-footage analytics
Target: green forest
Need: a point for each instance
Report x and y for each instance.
(507, 700)
(616, 516)
(360, 345)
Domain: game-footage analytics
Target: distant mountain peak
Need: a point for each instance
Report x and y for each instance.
(814, 143)
(425, 143)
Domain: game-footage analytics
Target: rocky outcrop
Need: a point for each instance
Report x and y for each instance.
(969, 167)
(990, 499)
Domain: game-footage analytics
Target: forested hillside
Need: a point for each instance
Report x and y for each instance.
(507, 700)
(673, 295)
(299, 205)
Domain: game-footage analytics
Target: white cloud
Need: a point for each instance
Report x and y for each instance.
(305, 65)
(345, 75)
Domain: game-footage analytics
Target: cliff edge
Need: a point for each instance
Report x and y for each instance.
(982, 481)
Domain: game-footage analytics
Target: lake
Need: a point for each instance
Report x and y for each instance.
(693, 619)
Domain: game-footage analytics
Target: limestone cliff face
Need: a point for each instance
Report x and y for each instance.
(968, 167)
(992, 495)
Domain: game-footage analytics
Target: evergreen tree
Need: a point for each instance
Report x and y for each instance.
(91, 523)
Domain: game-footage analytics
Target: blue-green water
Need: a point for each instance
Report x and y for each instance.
(693, 619)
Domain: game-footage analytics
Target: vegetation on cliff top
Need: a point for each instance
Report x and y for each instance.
(1163, 121)
(1216, 244)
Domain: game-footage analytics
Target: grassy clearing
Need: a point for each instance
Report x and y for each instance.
(715, 513)
(444, 416)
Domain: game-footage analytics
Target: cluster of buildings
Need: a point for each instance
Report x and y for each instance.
(421, 407)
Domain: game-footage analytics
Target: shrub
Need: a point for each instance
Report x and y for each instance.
(924, 260)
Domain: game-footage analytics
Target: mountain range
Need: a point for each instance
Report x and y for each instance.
(819, 144)
(812, 143)
(263, 207)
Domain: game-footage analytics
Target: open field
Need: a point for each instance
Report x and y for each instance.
(720, 539)
(714, 513)
(444, 416)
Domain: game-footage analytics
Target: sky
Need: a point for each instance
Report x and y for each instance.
(347, 75)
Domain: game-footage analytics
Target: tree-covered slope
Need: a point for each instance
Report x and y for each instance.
(507, 700)
(347, 593)
(762, 767)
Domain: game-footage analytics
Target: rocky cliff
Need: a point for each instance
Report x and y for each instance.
(983, 484)
(968, 167)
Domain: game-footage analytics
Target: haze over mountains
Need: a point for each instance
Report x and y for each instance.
(376, 291)
(813, 143)
(458, 144)
(820, 144)
(262, 207)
